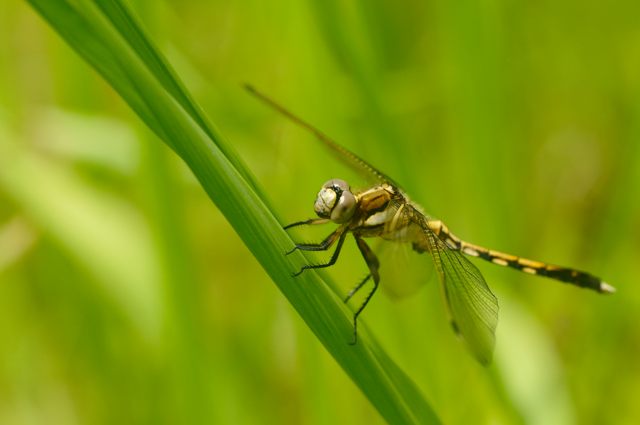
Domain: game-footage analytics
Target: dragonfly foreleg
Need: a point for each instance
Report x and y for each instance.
(373, 264)
(322, 246)
(340, 234)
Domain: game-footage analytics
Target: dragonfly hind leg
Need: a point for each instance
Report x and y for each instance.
(373, 264)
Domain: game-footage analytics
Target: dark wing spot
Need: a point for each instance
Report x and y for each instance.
(416, 247)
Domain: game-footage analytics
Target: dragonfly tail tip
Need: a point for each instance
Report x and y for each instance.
(606, 288)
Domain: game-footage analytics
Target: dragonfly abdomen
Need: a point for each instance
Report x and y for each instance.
(563, 274)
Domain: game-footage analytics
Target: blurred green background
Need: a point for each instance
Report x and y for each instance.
(125, 297)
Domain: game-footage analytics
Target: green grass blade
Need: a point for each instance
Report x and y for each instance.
(133, 33)
(100, 35)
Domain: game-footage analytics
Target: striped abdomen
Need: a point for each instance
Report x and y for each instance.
(563, 274)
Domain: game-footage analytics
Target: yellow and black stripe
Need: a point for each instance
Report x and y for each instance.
(563, 274)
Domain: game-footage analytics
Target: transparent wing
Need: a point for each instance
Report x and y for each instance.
(472, 307)
(403, 272)
(340, 152)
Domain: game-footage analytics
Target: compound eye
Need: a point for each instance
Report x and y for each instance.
(325, 202)
(344, 208)
(338, 185)
(335, 201)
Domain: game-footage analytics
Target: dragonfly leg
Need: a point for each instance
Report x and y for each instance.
(373, 264)
(341, 234)
(356, 288)
(322, 246)
(310, 221)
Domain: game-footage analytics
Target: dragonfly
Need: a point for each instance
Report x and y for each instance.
(385, 211)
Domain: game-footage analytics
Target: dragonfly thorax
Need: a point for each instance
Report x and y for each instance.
(335, 201)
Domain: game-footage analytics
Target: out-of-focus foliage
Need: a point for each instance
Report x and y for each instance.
(516, 123)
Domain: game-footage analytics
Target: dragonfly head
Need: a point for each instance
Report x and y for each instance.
(335, 201)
